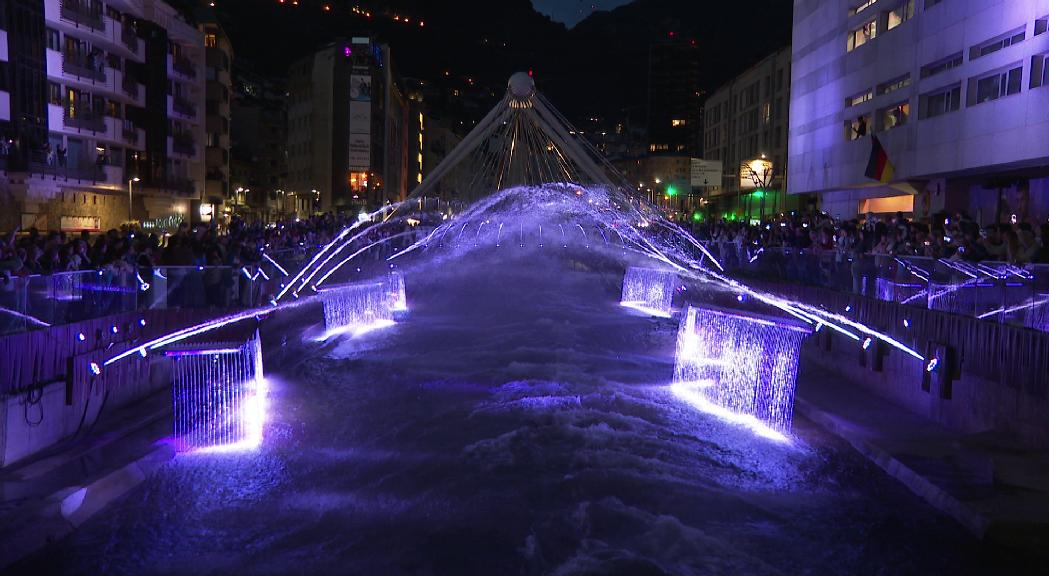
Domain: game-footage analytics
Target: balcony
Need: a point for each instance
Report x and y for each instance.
(177, 184)
(85, 66)
(184, 144)
(183, 106)
(52, 165)
(82, 14)
(130, 86)
(183, 66)
(84, 120)
(129, 133)
(129, 37)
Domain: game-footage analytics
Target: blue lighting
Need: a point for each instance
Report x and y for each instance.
(95, 369)
(906, 323)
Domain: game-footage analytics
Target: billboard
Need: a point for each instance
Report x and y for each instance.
(360, 152)
(360, 88)
(705, 173)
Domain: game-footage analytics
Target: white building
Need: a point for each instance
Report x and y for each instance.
(957, 92)
(120, 97)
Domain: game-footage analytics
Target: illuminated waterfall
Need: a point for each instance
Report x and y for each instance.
(358, 307)
(743, 367)
(219, 395)
(395, 289)
(648, 290)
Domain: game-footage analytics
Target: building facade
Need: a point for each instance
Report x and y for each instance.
(675, 110)
(956, 92)
(102, 114)
(258, 141)
(747, 119)
(218, 92)
(347, 129)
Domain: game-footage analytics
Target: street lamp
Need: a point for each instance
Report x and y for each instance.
(757, 175)
(129, 214)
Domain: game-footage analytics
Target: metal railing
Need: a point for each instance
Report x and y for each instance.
(992, 291)
(39, 301)
(92, 121)
(82, 14)
(183, 106)
(128, 36)
(84, 66)
(184, 66)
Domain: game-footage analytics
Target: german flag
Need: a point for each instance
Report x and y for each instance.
(878, 167)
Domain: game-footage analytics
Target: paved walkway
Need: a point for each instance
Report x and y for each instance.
(990, 486)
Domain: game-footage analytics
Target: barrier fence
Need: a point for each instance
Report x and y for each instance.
(992, 291)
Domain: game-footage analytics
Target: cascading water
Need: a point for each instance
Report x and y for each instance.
(649, 290)
(746, 365)
(219, 395)
(395, 289)
(354, 307)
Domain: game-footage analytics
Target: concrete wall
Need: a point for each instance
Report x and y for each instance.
(1009, 132)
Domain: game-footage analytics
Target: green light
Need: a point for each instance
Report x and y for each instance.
(759, 193)
(697, 216)
(671, 191)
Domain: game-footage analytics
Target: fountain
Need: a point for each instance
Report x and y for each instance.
(745, 365)
(219, 395)
(359, 307)
(649, 290)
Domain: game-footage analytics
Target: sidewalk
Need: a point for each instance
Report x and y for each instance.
(997, 491)
(44, 498)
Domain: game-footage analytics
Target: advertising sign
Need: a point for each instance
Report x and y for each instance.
(360, 151)
(78, 223)
(360, 88)
(705, 173)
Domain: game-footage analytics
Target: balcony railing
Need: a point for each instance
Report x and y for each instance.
(130, 85)
(85, 65)
(130, 133)
(183, 106)
(58, 166)
(184, 144)
(82, 14)
(128, 36)
(176, 184)
(85, 121)
(184, 66)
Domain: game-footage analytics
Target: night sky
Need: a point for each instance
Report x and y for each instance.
(570, 12)
(598, 67)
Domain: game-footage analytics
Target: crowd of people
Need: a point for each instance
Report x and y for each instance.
(238, 244)
(955, 237)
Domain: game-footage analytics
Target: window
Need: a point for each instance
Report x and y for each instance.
(941, 101)
(894, 84)
(859, 98)
(931, 3)
(209, 41)
(952, 61)
(1040, 70)
(900, 14)
(862, 35)
(858, 127)
(995, 85)
(675, 123)
(53, 41)
(54, 93)
(997, 43)
(866, 4)
(766, 113)
(1041, 25)
(894, 116)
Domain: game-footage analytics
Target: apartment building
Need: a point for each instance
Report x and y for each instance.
(956, 92)
(100, 121)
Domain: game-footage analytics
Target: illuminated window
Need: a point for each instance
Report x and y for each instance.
(859, 98)
(861, 7)
(900, 14)
(210, 41)
(860, 36)
(894, 116)
(358, 181)
(676, 123)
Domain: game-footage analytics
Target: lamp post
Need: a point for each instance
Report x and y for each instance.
(759, 173)
(129, 197)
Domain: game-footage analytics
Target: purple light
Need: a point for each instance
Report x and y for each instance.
(867, 342)
(651, 291)
(95, 368)
(356, 307)
(933, 363)
(747, 365)
(81, 337)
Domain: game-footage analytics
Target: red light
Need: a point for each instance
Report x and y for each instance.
(671, 34)
(529, 73)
